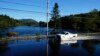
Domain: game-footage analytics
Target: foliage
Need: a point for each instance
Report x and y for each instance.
(12, 34)
(37, 38)
(6, 22)
(55, 18)
(84, 21)
(42, 24)
(28, 22)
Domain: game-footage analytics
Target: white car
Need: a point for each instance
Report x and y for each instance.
(66, 36)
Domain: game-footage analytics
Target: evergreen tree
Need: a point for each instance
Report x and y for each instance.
(55, 18)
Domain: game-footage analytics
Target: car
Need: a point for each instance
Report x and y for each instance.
(66, 35)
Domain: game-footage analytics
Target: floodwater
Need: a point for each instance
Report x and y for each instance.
(51, 47)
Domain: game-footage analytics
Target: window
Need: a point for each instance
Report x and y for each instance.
(66, 33)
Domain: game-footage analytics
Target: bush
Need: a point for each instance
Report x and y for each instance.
(10, 34)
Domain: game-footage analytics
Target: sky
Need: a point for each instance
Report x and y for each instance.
(36, 9)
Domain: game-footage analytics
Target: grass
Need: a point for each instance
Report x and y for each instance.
(5, 39)
(37, 38)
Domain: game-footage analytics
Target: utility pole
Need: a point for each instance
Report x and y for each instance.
(47, 24)
(47, 16)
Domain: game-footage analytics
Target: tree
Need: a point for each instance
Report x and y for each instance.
(55, 18)
(42, 24)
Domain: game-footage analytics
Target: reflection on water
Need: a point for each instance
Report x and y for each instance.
(54, 44)
(23, 48)
(68, 41)
(75, 45)
(3, 47)
(37, 47)
(89, 46)
(24, 30)
(28, 30)
(75, 48)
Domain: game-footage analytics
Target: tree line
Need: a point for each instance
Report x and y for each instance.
(84, 22)
(7, 21)
(89, 21)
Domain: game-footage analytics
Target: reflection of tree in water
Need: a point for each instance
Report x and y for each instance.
(89, 46)
(54, 44)
(3, 46)
(75, 45)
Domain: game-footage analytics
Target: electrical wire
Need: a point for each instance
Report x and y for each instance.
(23, 10)
(21, 4)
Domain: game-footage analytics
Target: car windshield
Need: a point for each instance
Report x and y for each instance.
(66, 33)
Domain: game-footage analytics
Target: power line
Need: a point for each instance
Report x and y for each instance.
(44, 0)
(22, 10)
(24, 4)
(21, 4)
